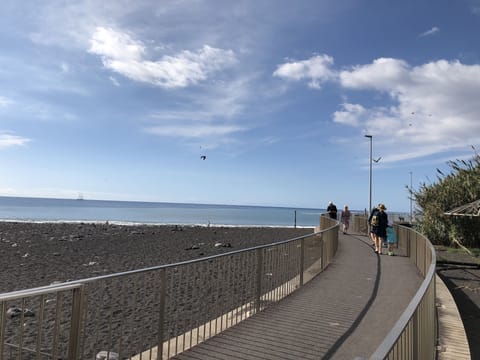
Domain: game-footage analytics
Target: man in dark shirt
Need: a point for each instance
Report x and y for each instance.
(332, 210)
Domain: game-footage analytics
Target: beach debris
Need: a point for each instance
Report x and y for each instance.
(193, 247)
(91, 263)
(28, 312)
(75, 237)
(14, 245)
(107, 355)
(219, 244)
(15, 311)
(25, 255)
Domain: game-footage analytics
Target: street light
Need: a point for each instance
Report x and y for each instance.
(411, 198)
(370, 198)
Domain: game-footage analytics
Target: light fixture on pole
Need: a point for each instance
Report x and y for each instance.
(370, 197)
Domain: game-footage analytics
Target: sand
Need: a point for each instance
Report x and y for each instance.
(38, 254)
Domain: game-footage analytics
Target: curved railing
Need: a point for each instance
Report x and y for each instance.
(414, 334)
(157, 312)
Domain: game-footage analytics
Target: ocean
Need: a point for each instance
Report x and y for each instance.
(125, 212)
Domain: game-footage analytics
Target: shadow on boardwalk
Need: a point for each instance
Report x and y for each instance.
(343, 313)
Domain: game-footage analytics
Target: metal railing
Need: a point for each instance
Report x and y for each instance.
(360, 224)
(157, 312)
(414, 334)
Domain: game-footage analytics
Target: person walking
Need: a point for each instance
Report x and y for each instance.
(332, 210)
(372, 214)
(345, 217)
(379, 223)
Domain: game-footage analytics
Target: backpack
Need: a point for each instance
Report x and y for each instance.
(374, 221)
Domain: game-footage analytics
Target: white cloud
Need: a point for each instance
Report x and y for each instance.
(384, 74)
(194, 131)
(316, 70)
(8, 140)
(64, 67)
(350, 115)
(114, 81)
(430, 32)
(115, 45)
(211, 115)
(436, 106)
(4, 101)
(126, 56)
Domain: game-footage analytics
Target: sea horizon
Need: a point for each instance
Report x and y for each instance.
(38, 209)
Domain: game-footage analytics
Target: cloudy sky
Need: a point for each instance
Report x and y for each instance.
(121, 99)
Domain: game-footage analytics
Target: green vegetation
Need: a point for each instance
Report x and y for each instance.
(461, 186)
(474, 251)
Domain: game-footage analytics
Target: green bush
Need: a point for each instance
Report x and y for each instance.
(461, 186)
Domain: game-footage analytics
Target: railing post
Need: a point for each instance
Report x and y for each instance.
(302, 259)
(258, 285)
(161, 316)
(322, 247)
(76, 323)
(3, 314)
(416, 330)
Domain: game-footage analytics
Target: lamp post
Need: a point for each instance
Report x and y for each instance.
(411, 198)
(370, 197)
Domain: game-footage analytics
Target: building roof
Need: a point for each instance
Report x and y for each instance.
(470, 209)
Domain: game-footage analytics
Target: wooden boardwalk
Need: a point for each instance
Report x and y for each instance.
(344, 313)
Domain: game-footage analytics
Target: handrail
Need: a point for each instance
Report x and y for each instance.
(67, 285)
(414, 334)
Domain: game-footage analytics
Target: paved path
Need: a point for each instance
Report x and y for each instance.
(343, 313)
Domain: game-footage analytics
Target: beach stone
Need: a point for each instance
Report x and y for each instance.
(14, 312)
(28, 313)
(219, 244)
(104, 355)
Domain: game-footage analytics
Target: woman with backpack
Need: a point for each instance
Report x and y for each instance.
(379, 222)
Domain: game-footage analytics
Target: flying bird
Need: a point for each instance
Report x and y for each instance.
(377, 160)
(203, 157)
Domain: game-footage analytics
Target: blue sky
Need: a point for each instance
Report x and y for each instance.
(120, 99)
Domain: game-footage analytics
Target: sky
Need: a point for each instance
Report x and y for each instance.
(246, 102)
